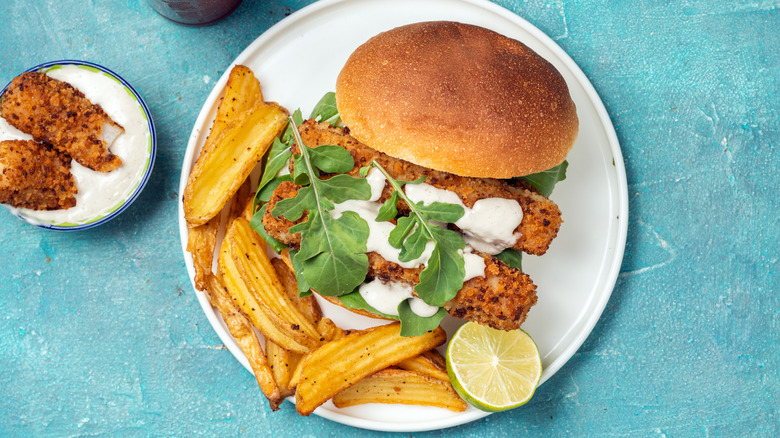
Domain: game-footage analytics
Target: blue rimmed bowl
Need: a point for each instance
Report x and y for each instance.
(101, 196)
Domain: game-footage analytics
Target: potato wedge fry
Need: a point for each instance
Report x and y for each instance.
(401, 387)
(201, 244)
(271, 325)
(249, 209)
(296, 375)
(202, 239)
(249, 254)
(427, 364)
(283, 363)
(247, 340)
(239, 202)
(307, 305)
(338, 365)
(436, 359)
(242, 92)
(330, 331)
(220, 170)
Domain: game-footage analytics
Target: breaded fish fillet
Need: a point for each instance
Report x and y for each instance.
(501, 299)
(56, 113)
(541, 216)
(35, 176)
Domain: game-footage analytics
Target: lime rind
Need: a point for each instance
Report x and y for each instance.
(493, 370)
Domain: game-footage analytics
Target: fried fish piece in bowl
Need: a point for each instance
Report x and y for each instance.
(97, 133)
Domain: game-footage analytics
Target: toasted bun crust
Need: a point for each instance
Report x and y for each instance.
(457, 98)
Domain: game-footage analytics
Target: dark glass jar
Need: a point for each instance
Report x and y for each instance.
(194, 12)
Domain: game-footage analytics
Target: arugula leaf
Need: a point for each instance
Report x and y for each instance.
(388, 210)
(299, 174)
(288, 137)
(545, 181)
(441, 211)
(278, 156)
(443, 275)
(256, 223)
(413, 324)
(404, 226)
(304, 290)
(326, 110)
(293, 208)
(264, 193)
(332, 159)
(511, 257)
(332, 257)
(414, 244)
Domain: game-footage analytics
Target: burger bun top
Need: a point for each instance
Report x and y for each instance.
(458, 98)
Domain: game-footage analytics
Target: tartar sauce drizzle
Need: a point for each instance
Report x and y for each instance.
(385, 297)
(489, 226)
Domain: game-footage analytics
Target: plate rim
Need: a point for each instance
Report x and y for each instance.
(617, 237)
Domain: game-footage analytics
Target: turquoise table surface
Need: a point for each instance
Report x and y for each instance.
(101, 333)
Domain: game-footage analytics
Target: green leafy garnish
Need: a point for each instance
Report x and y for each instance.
(332, 256)
(325, 110)
(264, 193)
(412, 324)
(256, 223)
(443, 275)
(278, 157)
(511, 257)
(545, 181)
(304, 290)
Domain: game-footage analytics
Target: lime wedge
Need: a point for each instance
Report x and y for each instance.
(493, 370)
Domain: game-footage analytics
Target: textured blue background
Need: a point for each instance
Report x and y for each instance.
(101, 334)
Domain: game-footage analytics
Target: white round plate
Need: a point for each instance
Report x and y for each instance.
(297, 61)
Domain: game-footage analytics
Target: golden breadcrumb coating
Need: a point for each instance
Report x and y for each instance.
(35, 176)
(500, 299)
(54, 112)
(279, 228)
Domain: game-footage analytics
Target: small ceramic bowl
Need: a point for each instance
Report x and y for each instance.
(101, 196)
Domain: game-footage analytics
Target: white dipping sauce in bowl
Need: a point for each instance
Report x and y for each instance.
(101, 196)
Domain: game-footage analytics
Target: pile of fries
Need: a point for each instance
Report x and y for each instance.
(291, 347)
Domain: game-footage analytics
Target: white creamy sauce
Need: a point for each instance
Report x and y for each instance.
(421, 308)
(385, 297)
(284, 170)
(475, 264)
(379, 233)
(377, 182)
(98, 192)
(487, 227)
